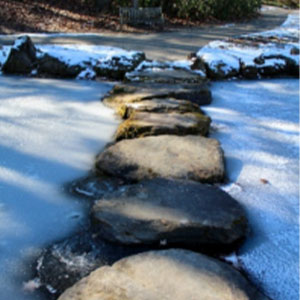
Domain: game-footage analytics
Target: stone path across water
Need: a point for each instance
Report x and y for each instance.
(161, 212)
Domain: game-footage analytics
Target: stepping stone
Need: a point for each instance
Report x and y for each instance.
(160, 75)
(165, 275)
(169, 156)
(143, 124)
(163, 105)
(173, 213)
(134, 92)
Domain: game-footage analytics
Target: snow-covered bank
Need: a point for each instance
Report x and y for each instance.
(49, 133)
(257, 125)
(253, 55)
(67, 61)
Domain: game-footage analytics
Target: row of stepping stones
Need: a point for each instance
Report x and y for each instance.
(154, 208)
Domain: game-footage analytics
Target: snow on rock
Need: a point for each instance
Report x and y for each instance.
(270, 53)
(104, 61)
(108, 62)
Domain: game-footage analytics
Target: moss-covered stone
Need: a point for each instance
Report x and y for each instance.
(158, 105)
(142, 124)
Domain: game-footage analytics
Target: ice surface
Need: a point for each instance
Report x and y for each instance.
(257, 125)
(50, 131)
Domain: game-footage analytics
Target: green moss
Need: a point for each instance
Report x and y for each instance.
(130, 129)
(122, 111)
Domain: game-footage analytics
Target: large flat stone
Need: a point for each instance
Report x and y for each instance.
(173, 213)
(165, 275)
(158, 105)
(160, 75)
(134, 92)
(169, 156)
(142, 124)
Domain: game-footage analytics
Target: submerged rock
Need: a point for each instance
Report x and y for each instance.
(171, 212)
(64, 263)
(158, 105)
(22, 57)
(165, 275)
(135, 92)
(169, 156)
(142, 124)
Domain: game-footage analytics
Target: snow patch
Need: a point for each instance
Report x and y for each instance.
(227, 56)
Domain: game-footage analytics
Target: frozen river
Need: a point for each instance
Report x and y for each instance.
(50, 131)
(257, 123)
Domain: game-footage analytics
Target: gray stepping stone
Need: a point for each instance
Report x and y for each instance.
(160, 75)
(173, 213)
(134, 92)
(143, 124)
(169, 156)
(165, 275)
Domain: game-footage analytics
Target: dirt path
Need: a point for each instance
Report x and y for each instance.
(172, 45)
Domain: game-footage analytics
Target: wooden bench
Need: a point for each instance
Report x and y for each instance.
(147, 16)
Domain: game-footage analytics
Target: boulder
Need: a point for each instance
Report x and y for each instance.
(197, 63)
(273, 67)
(249, 71)
(63, 264)
(135, 92)
(157, 105)
(160, 75)
(22, 57)
(173, 213)
(169, 156)
(49, 65)
(142, 124)
(165, 275)
(221, 70)
(118, 66)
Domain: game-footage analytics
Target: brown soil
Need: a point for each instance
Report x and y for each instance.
(18, 16)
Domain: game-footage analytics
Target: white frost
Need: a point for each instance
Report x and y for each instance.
(258, 127)
(50, 131)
